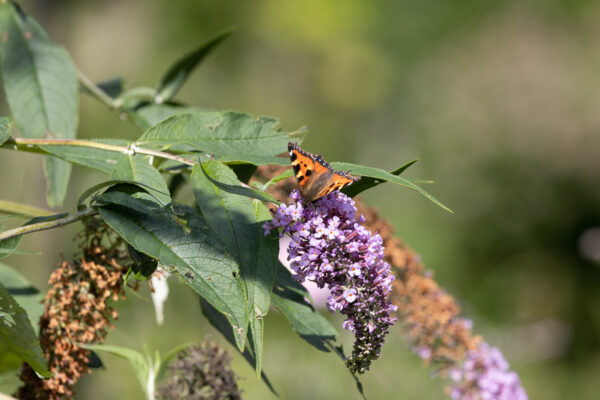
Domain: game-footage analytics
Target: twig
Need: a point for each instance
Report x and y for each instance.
(96, 91)
(26, 144)
(41, 226)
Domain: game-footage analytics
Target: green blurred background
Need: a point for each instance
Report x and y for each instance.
(500, 101)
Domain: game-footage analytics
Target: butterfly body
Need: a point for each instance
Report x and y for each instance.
(315, 176)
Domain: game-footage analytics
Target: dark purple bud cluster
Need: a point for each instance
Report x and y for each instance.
(330, 247)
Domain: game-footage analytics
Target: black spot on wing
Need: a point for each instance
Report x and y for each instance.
(300, 178)
(293, 156)
(308, 172)
(296, 169)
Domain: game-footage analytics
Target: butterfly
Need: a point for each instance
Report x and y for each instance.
(315, 176)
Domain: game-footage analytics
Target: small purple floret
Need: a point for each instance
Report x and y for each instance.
(330, 247)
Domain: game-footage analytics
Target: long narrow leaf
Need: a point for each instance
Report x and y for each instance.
(386, 176)
(241, 190)
(41, 88)
(178, 73)
(369, 182)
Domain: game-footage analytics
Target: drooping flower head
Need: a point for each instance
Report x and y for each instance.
(330, 247)
(485, 374)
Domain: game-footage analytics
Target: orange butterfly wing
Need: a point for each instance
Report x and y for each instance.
(315, 176)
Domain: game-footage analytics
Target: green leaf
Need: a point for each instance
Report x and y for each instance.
(232, 159)
(138, 168)
(100, 159)
(218, 133)
(9, 380)
(181, 239)
(304, 319)
(238, 221)
(5, 128)
(148, 114)
(385, 176)
(238, 189)
(57, 173)
(140, 364)
(17, 332)
(217, 320)
(178, 73)
(164, 362)
(41, 88)
(368, 182)
(9, 207)
(9, 246)
(129, 187)
(27, 295)
(288, 173)
(29, 298)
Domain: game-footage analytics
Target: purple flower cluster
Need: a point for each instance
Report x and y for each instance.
(330, 247)
(485, 375)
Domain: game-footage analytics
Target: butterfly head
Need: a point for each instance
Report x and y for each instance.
(315, 176)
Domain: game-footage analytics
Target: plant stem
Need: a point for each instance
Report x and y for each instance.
(41, 226)
(96, 91)
(30, 145)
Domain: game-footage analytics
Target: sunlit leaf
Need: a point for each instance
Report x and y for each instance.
(219, 133)
(385, 176)
(138, 168)
(239, 189)
(368, 182)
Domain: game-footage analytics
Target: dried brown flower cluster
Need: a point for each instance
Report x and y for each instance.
(430, 316)
(76, 312)
(200, 372)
